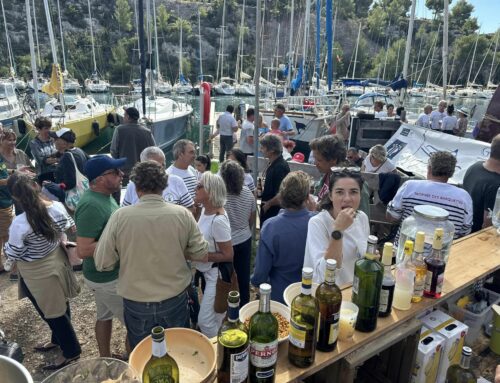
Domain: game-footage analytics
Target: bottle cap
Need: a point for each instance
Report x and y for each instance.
(307, 273)
(466, 351)
(158, 333)
(233, 297)
(438, 239)
(372, 239)
(387, 253)
(419, 242)
(265, 288)
(408, 247)
(331, 264)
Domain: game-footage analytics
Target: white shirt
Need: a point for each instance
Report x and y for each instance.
(387, 167)
(226, 123)
(381, 114)
(354, 243)
(449, 123)
(436, 117)
(246, 131)
(189, 176)
(248, 181)
(424, 120)
(175, 192)
(215, 228)
(456, 201)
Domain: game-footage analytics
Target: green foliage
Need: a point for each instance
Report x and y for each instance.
(123, 15)
(436, 6)
(162, 18)
(362, 7)
(120, 63)
(461, 20)
(461, 54)
(175, 28)
(345, 8)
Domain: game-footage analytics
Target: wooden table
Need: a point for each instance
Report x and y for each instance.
(471, 258)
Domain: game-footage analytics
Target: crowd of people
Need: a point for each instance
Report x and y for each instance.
(154, 256)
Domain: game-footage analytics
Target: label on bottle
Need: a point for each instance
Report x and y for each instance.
(384, 300)
(297, 334)
(418, 290)
(334, 329)
(159, 348)
(428, 280)
(439, 284)
(239, 367)
(264, 354)
(355, 284)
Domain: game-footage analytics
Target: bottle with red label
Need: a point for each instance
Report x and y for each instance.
(263, 331)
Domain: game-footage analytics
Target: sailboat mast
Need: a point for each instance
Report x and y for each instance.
(92, 37)
(156, 42)
(493, 60)
(445, 48)
(239, 54)
(180, 51)
(32, 54)
(317, 64)
(150, 48)
(36, 35)
(356, 54)
(472, 62)
(51, 32)
(290, 46)
(433, 50)
(9, 49)
(409, 38)
(62, 36)
(199, 39)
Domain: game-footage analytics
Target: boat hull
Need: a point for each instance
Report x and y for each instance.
(167, 132)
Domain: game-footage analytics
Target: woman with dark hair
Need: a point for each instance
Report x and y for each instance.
(240, 207)
(241, 158)
(449, 121)
(202, 164)
(340, 230)
(46, 277)
(44, 150)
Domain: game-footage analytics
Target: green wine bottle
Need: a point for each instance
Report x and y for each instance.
(263, 340)
(303, 324)
(161, 367)
(232, 345)
(461, 373)
(329, 299)
(366, 286)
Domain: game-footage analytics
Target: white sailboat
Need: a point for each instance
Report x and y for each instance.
(95, 83)
(182, 85)
(160, 85)
(224, 85)
(243, 85)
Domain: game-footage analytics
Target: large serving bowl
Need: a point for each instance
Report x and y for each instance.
(252, 307)
(102, 370)
(294, 289)
(11, 371)
(194, 353)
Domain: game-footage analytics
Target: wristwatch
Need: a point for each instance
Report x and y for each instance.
(336, 234)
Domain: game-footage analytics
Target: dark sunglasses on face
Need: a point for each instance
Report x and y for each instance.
(115, 172)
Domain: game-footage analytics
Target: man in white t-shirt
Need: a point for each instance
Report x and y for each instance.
(424, 120)
(176, 191)
(246, 135)
(184, 154)
(226, 126)
(437, 192)
(378, 108)
(437, 115)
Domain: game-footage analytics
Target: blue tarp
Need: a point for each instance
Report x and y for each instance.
(297, 81)
(183, 80)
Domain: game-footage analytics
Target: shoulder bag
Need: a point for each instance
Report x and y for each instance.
(82, 183)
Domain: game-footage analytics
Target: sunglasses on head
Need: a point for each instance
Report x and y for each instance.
(348, 169)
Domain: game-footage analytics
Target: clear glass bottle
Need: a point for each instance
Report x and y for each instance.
(263, 331)
(304, 313)
(388, 282)
(461, 373)
(232, 345)
(366, 286)
(161, 367)
(435, 267)
(417, 260)
(426, 218)
(405, 280)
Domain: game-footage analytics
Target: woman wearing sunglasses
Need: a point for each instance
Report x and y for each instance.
(340, 231)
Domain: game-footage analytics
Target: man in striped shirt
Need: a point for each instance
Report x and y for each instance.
(184, 154)
(434, 191)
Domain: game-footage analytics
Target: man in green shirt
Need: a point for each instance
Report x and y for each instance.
(91, 216)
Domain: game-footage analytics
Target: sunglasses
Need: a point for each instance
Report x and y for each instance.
(349, 169)
(115, 172)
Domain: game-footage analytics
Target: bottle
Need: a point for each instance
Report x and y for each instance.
(417, 260)
(263, 330)
(405, 280)
(259, 187)
(161, 367)
(461, 373)
(388, 282)
(232, 345)
(366, 286)
(435, 267)
(304, 313)
(329, 299)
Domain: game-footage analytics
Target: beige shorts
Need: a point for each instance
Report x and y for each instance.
(108, 303)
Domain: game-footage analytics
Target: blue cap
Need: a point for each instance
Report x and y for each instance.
(101, 163)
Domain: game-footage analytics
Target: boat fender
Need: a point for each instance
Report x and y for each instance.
(95, 128)
(21, 126)
(112, 118)
(206, 102)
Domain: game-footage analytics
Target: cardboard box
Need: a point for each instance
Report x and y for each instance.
(429, 353)
(454, 332)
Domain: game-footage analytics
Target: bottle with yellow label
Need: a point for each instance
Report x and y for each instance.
(329, 299)
(304, 317)
(417, 260)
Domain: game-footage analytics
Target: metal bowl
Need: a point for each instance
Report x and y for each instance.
(11, 371)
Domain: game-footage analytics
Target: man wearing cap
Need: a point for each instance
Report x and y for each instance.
(65, 174)
(91, 216)
(129, 140)
(462, 122)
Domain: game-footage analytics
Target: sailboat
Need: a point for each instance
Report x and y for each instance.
(182, 85)
(224, 85)
(244, 85)
(84, 116)
(95, 83)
